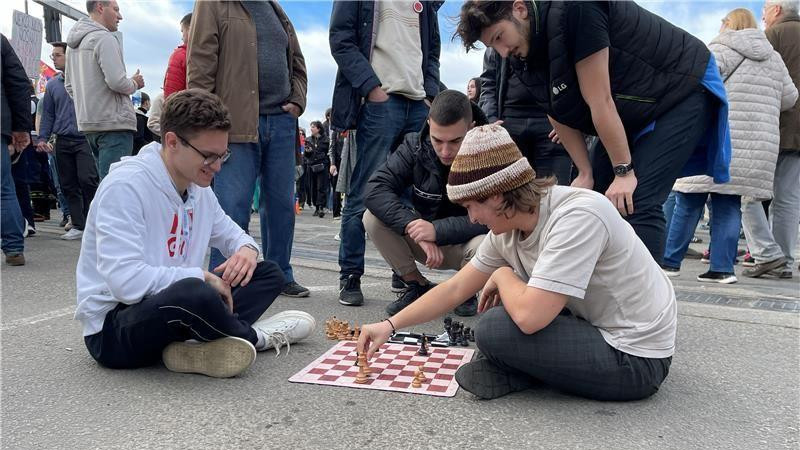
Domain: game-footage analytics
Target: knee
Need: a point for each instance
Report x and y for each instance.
(195, 295)
(371, 223)
(490, 328)
(269, 272)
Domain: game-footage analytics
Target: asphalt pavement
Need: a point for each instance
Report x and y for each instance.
(733, 382)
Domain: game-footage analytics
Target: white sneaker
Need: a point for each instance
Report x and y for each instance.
(284, 328)
(222, 358)
(72, 235)
(69, 225)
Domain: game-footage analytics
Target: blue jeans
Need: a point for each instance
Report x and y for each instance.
(725, 224)
(272, 157)
(62, 201)
(109, 147)
(669, 208)
(11, 222)
(380, 128)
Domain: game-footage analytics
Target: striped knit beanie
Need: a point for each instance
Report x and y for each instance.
(487, 163)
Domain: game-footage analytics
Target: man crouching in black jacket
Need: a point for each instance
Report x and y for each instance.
(432, 230)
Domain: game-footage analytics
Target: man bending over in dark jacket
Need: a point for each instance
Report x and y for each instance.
(432, 230)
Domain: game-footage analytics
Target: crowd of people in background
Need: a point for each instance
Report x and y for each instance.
(661, 130)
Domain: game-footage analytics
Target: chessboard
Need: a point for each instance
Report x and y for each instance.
(392, 369)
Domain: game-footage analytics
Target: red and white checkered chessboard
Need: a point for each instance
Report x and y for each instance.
(392, 368)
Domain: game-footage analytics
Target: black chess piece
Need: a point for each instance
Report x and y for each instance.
(423, 346)
(472, 335)
(464, 342)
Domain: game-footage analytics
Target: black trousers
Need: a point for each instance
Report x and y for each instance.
(658, 159)
(135, 335)
(77, 171)
(547, 158)
(570, 355)
(319, 186)
(337, 196)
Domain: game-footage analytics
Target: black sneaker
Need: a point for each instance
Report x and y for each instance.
(350, 291)
(398, 285)
(468, 308)
(413, 292)
(487, 381)
(671, 271)
(292, 289)
(64, 221)
(718, 277)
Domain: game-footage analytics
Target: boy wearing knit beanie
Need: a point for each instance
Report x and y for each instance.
(570, 296)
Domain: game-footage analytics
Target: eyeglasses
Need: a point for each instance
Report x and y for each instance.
(208, 159)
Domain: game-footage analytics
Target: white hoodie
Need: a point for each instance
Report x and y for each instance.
(141, 237)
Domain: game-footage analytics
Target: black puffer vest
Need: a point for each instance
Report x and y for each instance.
(653, 65)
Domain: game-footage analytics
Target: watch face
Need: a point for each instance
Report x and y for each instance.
(621, 169)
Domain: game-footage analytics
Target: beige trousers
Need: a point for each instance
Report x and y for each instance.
(402, 253)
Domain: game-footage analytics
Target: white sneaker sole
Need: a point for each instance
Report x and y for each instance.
(222, 358)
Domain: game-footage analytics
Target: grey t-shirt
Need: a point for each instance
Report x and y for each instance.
(582, 248)
(273, 68)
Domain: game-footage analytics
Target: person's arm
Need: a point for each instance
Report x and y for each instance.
(120, 232)
(109, 58)
(573, 142)
(789, 97)
(431, 82)
(456, 230)
(299, 81)
(529, 307)
(489, 101)
(17, 89)
(154, 119)
(433, 304)
(202, 54)
(385, 187)
(595, 85)
(47, 116)
(226, 235)
(343, 40)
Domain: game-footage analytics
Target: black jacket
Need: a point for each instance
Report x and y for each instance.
(415, 164)
(653, 65)
(350, 38)
(16, 92)
(316, 151)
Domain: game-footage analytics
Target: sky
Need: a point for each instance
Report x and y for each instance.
(151, 31)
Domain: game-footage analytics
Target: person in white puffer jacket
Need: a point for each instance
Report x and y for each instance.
(759, 88)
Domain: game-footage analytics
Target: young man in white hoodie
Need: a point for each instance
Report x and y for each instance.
(142, 292)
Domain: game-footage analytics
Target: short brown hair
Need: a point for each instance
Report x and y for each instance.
(525, 198)
(476, 16)
(189, 112)
(59, 44)
(91, 5)
(450, 107)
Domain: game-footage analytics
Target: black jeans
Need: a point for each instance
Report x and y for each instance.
(77, 171)
(337, 196)
(319, 186)
(135, 335)
(658, 159)
(547, 158)
(570, 355)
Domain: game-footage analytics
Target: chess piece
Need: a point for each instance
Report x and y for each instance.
(416, 382)
(472, 335)
(362, 376)
(421, 375)
(357, 332)
(423, 346)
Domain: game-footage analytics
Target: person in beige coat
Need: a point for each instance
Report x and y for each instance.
(759, 88)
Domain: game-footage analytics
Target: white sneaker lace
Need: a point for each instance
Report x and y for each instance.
(277, 339)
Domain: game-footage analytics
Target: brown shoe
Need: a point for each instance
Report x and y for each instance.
(761, 269)
(15, 259)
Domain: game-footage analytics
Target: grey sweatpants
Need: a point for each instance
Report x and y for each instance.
(570, 355)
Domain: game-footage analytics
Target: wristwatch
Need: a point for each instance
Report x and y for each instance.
(621, 170)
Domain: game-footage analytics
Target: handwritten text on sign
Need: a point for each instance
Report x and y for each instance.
(26, 38)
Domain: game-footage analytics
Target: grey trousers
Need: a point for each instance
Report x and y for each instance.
(765, 243)
(569, 355)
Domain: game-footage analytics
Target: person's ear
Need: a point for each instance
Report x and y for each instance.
(520, 10)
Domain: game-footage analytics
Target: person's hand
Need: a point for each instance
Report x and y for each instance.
(621, 193)
(138, 79)
(490, 295)
(372, 337)
(333, 170)
(44, 146)
(238, 269)
(434, 254)
(376, 95)
(497, 122)
(554, 136)
(220, 286)
(583, 180)
(20, 140)
(292, 109)
(421, 230)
